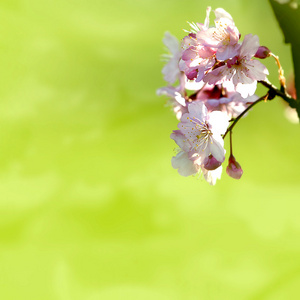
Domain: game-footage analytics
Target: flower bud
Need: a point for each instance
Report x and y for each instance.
(234, 169)
(210, 163)
(262, 52)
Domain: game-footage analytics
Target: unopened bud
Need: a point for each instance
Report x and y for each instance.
(234, 169)
(262, 52)
(210, 163)
(192, 74)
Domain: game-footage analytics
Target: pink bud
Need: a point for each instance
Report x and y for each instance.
(210, 163)
(234, 169)
(192, 74)
(262, 52)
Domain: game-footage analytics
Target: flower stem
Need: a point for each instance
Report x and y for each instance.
(229, 129)
(280, 72)
(230, 142)
(274, 91)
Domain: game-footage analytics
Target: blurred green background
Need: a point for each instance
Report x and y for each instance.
(90, 205)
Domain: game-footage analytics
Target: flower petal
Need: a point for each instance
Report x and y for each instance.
(180, 140)
(212, 176)
(218, 122)
(185, 166)
(249, 46)
(217, 150)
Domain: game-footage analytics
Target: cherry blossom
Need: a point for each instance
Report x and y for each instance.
(224, 36)
(242, 70)
(203, 131)
(211, 81)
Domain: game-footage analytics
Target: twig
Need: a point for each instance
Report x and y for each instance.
(243, 113)
(274, 91)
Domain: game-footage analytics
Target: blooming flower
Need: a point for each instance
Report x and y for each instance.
(242, 69)
(202, 132)
(200, 142)
(224, 36)
(196, 60)
(222, 72)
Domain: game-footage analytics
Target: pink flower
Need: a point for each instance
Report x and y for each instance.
(224, 36)
(200, 141)
(242, 70)
(203, 132)
(196, 58)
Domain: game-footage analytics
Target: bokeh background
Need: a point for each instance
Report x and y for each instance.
(90, 207)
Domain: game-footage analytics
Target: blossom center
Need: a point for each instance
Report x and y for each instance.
(221, 35)
(203, 136)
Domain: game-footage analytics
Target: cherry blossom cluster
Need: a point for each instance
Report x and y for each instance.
(211, 80)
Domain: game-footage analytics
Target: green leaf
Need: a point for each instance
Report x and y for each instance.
(288, 17)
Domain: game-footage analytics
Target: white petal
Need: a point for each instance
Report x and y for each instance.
(217, 150)
(192, 85)
(206, 22)
(197, 109)
(172, 43)
(178, 97)
(246, 89)
(221, 13)
(167, 90)
(257, 70)
(212, 176)
(185, 166)
(171, 71)
(218, 122)
(249, 46)
(180, 140)
(227, 52)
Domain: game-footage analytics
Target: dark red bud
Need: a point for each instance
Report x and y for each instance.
(191, 75)
(210, 163)
(262, 52)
